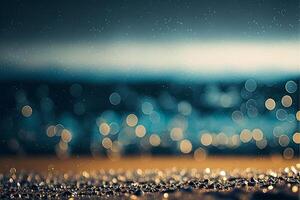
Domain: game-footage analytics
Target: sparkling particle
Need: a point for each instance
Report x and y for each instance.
(161, 184)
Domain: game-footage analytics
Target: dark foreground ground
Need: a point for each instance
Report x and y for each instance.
(150, 178)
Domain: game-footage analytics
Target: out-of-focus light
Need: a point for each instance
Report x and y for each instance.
(215, 142)
(185, 146)
(257, 134)
(76, 90)
(63, 145)
(281, 114)
(114, 128)
(185, 108)
(58, 129)
(115, 98)
(296, 138)
(85, 174)
(270, 104)
(140, 131)
(207, 170)
(222, 138)
(237, 116)
(295, 189)
(252, 112)
(26, 111)
(298, 115)
(270, 187)
(206, 139)
(107, 143)
(166, 195)
(250, 85)
(104, 128)
(79, 108)
(46, 104)
(284, 140)
(66, 136)
(13, 170)
(147, 108)
(200, 154)
(176, 134)
(277, 131)
(132, 120)
(235, 140)
(261, 144)
(245, 135)
(154, 117)
(286, 101)
(116, 146)
(291, 118)
(222, 173)
(154, 140)
(51, 131)
(288, 153)
(291, 86)
(226, 100)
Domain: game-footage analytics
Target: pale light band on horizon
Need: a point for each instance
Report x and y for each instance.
(196, 57)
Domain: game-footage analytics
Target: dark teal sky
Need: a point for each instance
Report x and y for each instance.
(158, 38)
(141, 19)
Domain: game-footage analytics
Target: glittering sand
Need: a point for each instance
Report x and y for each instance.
(150, 178)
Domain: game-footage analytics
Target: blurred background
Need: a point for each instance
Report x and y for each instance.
(120, 78)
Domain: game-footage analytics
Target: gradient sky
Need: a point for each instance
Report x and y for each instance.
(244, 19)
(43, 33)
